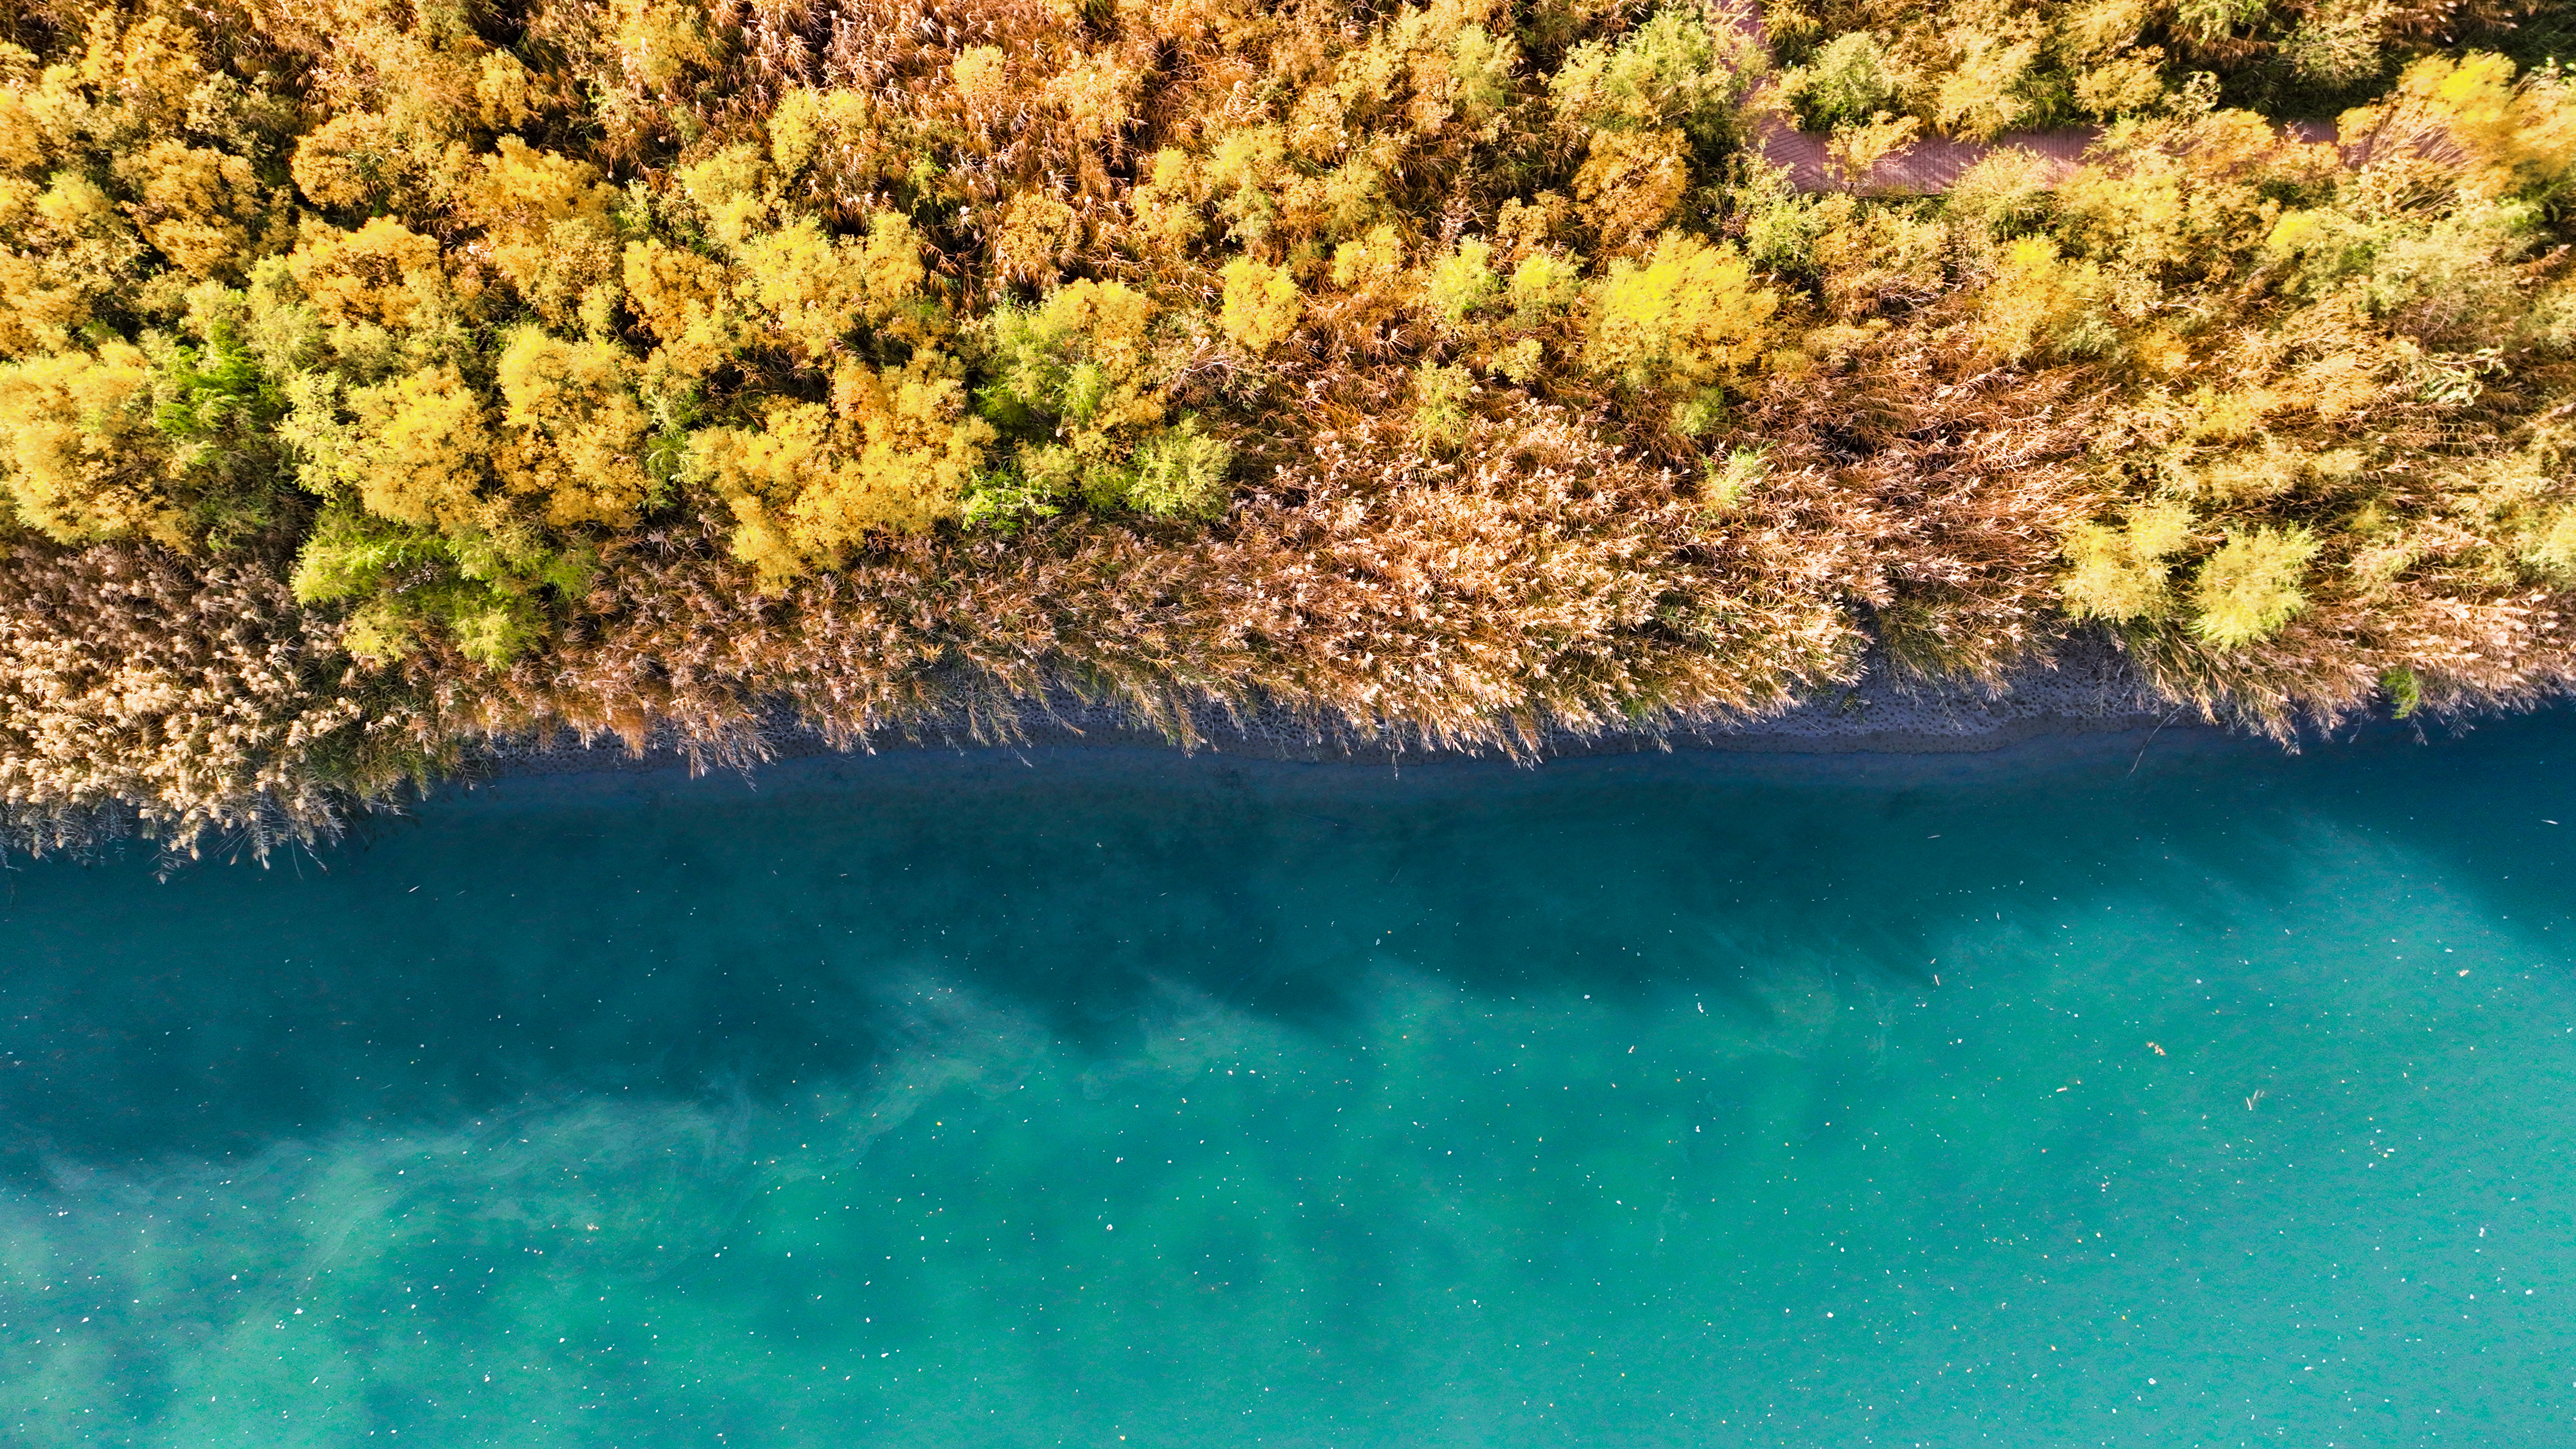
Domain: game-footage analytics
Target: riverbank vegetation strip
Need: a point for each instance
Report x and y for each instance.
(380, 376)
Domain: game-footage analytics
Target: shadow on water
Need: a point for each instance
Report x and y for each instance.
(641, 934)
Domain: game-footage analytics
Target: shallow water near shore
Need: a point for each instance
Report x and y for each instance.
(2072, 1095)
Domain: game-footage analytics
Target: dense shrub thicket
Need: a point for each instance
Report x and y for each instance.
(379, 374)
(1985, 67)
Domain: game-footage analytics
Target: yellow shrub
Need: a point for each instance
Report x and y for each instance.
(919, 448)
(1522, 227)
(22, 146)
(1110, 319)
(2249, 475)
(1075, 376)
(814, 288)
(2122, 84)
(35, 314)
(2339, 43)
(150, 71)
(1872, 256)
(2119, 573)
(1243, 173)
(2230, 416)
(1671, 71)
(1543, 285)
(1978, 97)
(2251, 587)
(981, 74)
(1461, 283)
(2157, 216)
(894, 270)
(2552, 547)
(81, 451)
(1094, 98)
(2035, 300)
(1166, 204)
(503, 89)
(731, 189)
(893, 452)
(1101, 328)
(573, 433)
(382, 273)
(1856, 149)
(2516, 132)
(659, 42)
(1371, 274)
(2342, 383)
(545, 223)
(2104, 27)
(1262, 304)
(1630, 183)
(1440, 398)
(686, 302)
(197, 204)
(1688, 316)
(1481, 66)
(809, 291)
(1033, 237)
(422, 449)
(72, 205)
(1845, 80)
(347, 161)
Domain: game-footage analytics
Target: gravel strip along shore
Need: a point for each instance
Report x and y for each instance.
(2090, 690)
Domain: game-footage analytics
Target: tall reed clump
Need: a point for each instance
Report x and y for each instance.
(195, 703)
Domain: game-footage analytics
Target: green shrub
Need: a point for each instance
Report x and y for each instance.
(1846, 82)
(1181, 473)
(2404, 690)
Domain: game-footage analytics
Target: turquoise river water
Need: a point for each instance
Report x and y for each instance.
(2070, 1095)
